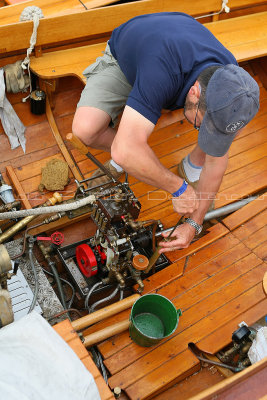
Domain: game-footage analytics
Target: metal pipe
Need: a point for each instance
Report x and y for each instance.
(10, 206)
(78, 144)
(201, 357)
(86, 302)
(45, 221)
(113, 294)
(219, 212)
(52, 265)
(21, 224)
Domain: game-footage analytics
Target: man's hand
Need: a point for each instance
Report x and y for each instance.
(187, 203)
(183, 236)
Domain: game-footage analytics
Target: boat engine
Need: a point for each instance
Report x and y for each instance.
(119, 251)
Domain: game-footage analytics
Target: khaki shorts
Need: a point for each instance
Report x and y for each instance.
(106, 88)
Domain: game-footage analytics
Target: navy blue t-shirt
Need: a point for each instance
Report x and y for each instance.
(161, 56)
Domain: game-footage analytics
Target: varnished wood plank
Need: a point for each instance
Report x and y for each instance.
(17, 187)
(90, 365)
(49, 8)
(251, 170)
(104, 390)
(78, 347)
(251, 226)
(249, 141)
(99, 21)
(210, 276)
(52, 8)
(196, 383)
(258, 122)
(176, 370)
(148, 360)
(219, 248)
(65, 330)
(241, 159)
(243, 189)
(223, 253)
(250, 381)
(170, 118)
(256, 238)
(192, 326)
(244, 37)
(261, 251)
(221, 337)
(241, 216)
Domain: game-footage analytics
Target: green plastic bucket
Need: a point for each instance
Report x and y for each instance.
(153, 318)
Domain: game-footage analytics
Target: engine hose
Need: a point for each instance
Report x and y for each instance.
(52, 265)
(86, 302)
(49, 210)
(67, 283)
(113, 294)
(36, 288)
(121, 294)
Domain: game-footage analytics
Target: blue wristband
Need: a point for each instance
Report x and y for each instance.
(181, 190)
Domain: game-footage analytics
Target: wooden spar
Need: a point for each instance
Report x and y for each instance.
(105, 312)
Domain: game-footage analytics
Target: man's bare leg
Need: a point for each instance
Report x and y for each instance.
(197, 156)
(91, 125)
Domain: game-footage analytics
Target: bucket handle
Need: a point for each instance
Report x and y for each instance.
(179, 312)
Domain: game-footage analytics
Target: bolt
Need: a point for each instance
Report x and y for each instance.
(117, 392)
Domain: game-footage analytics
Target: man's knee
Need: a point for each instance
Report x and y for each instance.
(81, 127)
(88, 124)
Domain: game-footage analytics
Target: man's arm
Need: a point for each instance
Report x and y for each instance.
(209, 183)
(131, 151)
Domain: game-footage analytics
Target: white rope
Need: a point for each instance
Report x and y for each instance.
(48, 210)
(224, 8)
(31, 13)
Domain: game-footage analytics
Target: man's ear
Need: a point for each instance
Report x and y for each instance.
(195, 90)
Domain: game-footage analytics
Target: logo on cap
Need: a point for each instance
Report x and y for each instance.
(234, 126)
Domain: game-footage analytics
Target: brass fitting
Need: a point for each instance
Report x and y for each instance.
(56, 198)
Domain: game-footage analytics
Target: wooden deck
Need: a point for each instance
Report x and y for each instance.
(220, 285)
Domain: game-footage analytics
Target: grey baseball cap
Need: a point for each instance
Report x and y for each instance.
(232, 98)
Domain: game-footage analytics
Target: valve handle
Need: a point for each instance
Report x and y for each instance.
(56, 238)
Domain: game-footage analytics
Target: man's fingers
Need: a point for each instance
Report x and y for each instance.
(180, 242)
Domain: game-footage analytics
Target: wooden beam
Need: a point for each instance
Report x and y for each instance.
(231, 382)
(22, 197)
(60, 142)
